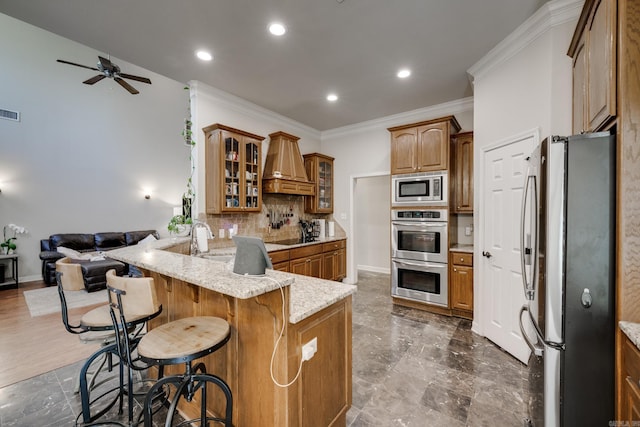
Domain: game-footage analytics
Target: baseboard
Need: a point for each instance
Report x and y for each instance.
(374, 269)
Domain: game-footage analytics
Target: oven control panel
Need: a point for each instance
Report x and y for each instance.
(420, 215)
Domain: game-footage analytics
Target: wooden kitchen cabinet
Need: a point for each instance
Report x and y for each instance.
(631, 386)
(334, 260)
(320, 171)
(233, 179)
(306, 260)
(594, 67)
(280, 260)
(461, 284)
(422, 147)
(462, 173)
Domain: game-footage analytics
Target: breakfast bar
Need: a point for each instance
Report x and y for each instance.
(271, 318)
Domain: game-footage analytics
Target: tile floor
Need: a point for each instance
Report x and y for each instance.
(410, 368)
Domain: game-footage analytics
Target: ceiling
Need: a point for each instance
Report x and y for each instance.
(351, 47)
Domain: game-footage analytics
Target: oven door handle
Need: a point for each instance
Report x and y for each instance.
(421, 264)
(420, 224)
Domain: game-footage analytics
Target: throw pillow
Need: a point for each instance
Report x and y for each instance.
(150, 238)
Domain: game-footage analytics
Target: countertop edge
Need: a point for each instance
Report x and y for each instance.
(631, 330)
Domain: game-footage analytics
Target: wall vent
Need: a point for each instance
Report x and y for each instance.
(10, 115)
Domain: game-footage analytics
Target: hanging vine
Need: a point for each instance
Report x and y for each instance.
(189, 195)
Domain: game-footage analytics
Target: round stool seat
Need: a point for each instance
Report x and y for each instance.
(184, 340)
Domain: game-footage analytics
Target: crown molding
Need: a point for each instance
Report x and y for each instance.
(242, 106)
(553, 13)
(421, 114)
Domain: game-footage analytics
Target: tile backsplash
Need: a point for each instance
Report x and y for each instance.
(287, 210)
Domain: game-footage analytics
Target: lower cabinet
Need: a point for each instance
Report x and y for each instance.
(280, 260)
(461, 284)
(630, 386)
(334, 260)
(322, 260)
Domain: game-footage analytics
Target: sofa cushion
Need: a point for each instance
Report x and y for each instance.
(108, 241)
(133, 237)
(78, 242)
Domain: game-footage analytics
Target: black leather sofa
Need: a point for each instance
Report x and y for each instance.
(93, 272)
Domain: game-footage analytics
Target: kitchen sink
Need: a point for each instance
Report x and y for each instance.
(295, 241)
(213, 257)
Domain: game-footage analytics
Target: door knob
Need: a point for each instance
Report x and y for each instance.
(486, 254)
(586, 299)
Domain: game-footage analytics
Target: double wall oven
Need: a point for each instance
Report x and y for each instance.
(419, 255)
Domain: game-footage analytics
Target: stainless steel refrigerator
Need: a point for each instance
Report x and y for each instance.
(568, 273)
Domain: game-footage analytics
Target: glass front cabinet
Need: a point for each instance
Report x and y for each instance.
(233, 170)
(320, 171)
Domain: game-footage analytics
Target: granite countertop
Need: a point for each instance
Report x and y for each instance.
(631, 330)
(461, 248)
(308, 295)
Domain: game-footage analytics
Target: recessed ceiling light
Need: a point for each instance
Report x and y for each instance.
(404, 73)
(277, 29)
(332, 97)
(204, 55)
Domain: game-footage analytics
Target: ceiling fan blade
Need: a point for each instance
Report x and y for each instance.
(94, 79)
(77, 65)
(126, 85)
(137, 78)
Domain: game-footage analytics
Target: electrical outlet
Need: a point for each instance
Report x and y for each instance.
(309, 349)
(467, 231)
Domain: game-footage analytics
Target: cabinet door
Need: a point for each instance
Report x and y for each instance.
(580, 88)
(463, 174)
(252, 185)
(310, 266)
(433, 147)
(631, 402)
(341, 264)
(325, 186)
(328, 265)
(403, 151)
(462, 287)
(299, 266)
(281, 266)
(601, 99)
(315, 266)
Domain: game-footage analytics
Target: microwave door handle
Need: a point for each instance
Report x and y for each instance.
(422, 264)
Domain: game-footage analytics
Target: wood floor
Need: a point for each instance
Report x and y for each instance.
(30, 346)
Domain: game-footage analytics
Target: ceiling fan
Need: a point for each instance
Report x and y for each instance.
(111, 70)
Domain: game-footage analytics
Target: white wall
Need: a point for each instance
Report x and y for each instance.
(527, 88)
(372, 233)
(81, 156)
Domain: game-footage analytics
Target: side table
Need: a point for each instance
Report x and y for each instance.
(13, 283)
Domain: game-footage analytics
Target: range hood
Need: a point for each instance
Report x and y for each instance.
(284, 171)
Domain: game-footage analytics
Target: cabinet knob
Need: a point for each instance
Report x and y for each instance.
(461, 259)
(455, 269)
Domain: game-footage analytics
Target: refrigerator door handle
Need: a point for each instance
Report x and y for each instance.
(526, 252)
(535, 349)
(536, 327)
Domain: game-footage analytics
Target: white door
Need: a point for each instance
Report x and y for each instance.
(504, 169)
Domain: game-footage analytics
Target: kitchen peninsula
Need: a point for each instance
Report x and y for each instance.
(255, 358)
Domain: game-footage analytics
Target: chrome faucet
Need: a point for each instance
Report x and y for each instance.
(194, 238)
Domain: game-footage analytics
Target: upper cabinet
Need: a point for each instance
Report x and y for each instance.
(232, 170)
(422, 147)
(462, 173)
(594, 67)
(320, 171)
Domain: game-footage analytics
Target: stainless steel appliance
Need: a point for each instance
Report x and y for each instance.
(568, 271)
(419, 255)
(419, 189)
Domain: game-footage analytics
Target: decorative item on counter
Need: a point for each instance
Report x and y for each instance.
(8, 246)
(179, 225)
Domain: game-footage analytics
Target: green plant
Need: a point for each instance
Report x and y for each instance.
(176, 222)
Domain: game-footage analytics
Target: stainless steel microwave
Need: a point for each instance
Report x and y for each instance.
(419, 189)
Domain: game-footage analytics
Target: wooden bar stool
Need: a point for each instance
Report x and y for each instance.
(176, 342)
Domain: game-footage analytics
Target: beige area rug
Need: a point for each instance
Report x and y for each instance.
(46, 300)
